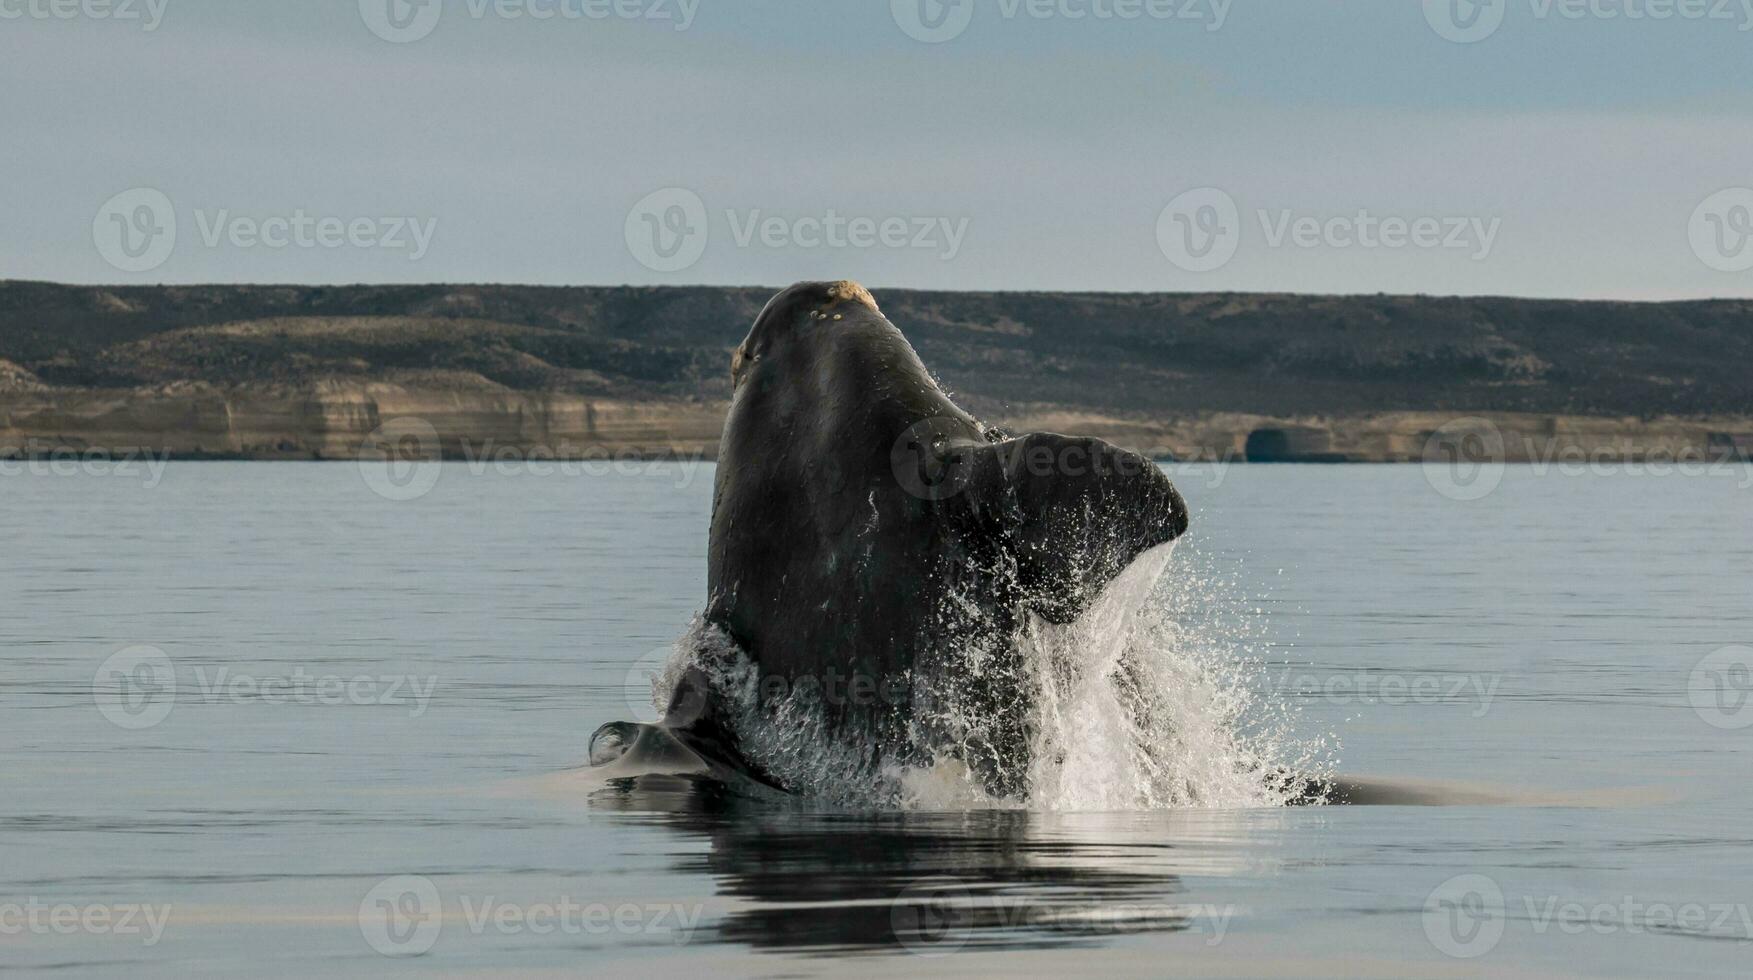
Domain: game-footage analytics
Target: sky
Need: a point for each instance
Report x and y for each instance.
(1561, 148)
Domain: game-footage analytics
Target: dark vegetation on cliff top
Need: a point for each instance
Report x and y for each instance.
(1112, 353)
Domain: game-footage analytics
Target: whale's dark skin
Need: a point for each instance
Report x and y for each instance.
(875, 542)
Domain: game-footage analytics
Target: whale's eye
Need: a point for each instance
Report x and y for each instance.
(738, 360)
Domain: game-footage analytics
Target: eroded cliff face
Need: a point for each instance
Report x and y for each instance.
(1395, 437)
(339, 420)
(309, 372)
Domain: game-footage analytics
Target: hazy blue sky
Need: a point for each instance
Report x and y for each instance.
(1565, 153)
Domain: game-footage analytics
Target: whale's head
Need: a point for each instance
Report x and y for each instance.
(797, 308)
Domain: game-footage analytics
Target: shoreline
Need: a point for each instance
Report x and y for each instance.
(340, 422)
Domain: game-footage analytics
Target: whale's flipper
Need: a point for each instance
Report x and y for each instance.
(645, 745)
(696, 748)
(1035, 525)
(1073, 512)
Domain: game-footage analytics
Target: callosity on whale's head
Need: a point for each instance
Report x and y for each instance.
(802, 305)
(878, 546)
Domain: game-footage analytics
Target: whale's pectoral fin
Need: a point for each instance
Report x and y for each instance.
(1074, 511)
(692, 738)
(695, 718)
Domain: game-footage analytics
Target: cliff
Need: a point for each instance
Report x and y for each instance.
(311, 372)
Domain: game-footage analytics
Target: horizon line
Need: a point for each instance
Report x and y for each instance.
(433, 284)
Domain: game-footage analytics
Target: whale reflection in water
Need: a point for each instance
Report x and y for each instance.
(828, 881)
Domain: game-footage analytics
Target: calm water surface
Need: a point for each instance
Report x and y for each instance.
(377, 709)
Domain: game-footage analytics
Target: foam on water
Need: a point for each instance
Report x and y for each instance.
(1132, 713)
(1129, 709)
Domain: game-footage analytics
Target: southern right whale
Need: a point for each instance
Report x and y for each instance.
(875, 551)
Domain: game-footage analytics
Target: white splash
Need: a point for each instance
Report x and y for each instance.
(1134, 713)
(1129, 710)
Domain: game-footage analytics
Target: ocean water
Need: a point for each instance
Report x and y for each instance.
(270, 719)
